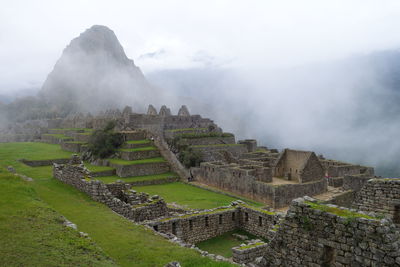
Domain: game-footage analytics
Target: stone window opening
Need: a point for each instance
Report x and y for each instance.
(206, 221)
(328, 256)
(190, 224)
(220, 219)
(233, 216)
(259, 221)
(396, 216)
(174, 228)
(246, 216)
(155, 227)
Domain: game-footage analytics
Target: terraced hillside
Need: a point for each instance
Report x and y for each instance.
(126, 243)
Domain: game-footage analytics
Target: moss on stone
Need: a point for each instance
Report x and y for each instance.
(258, 209)
(339, 212)
(251, 246)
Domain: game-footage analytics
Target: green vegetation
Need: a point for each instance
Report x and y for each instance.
(48, 242)
(76, 142)
(138, 142)
(258, 209)
(133, 162)
(187, 195)
(203, 135)
(223, 244)
(59, 136)
(114, 178)
(200, 213)
(190, 157)
(95, 168)
(186, 129)
(252, 245)
(126, 243)
(147, 148)
(217, 145)
(337, 211)
(105, 142)
(32, 151)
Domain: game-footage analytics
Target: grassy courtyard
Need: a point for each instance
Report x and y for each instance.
(188, 195)
(126, 243)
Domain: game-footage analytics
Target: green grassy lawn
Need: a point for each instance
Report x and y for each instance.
(147, 148)
(114, 178)
(133, 162)
(126, 243)
(187, 195)
(223, 244)
(136, 142)
(95, 168)
(32, 151)
(48, 243)
(59, 136)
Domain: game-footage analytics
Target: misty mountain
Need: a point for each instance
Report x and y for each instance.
(94, 73)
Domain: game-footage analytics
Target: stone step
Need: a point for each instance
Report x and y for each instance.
(137, 144)
(133, 135)
(151, 166)
(139, 153)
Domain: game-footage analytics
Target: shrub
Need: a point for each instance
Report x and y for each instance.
(190, 157)
(105, 142)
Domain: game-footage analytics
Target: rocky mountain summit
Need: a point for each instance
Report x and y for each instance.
(94, 73)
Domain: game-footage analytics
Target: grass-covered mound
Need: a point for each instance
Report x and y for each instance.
(32, 234)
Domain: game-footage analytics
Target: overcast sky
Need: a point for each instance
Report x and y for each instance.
(252, 35)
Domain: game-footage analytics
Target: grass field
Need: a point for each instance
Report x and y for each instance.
(133, 162)
(114, 178)
(223, 244)
(138, 142)
(126, 243)
(95, 168)
(147, 148)
(187, 195)
(48, 243)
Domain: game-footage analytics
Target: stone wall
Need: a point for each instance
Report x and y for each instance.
(196, 227)
(243, 182)
(141, 169)
(381, 196)
(210, 153)
(344, 199)
(209, 140)
(71, 146)
(39, 163)
(248, 253)
(128, 203)
(310, 236)
(136, 155)
(355, 182)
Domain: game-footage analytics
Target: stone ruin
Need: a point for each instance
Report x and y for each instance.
(118, 196)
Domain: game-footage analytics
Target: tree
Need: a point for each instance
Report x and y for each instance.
(105, 142)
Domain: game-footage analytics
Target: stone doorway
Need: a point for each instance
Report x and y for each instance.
(328, 256)
(396, 216)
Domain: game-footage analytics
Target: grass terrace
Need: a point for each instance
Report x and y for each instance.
(59, 136)
(32, 233)
(223, 244)
(126, 243)
(203, 135)
(138, 142)
(114, 178)
(95, 168)
(186, 129)
(76, 142)
(147, 148)
(187, 195)
(217, 145)
(133, 162)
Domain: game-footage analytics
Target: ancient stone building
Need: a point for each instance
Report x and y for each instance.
(299, 166)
